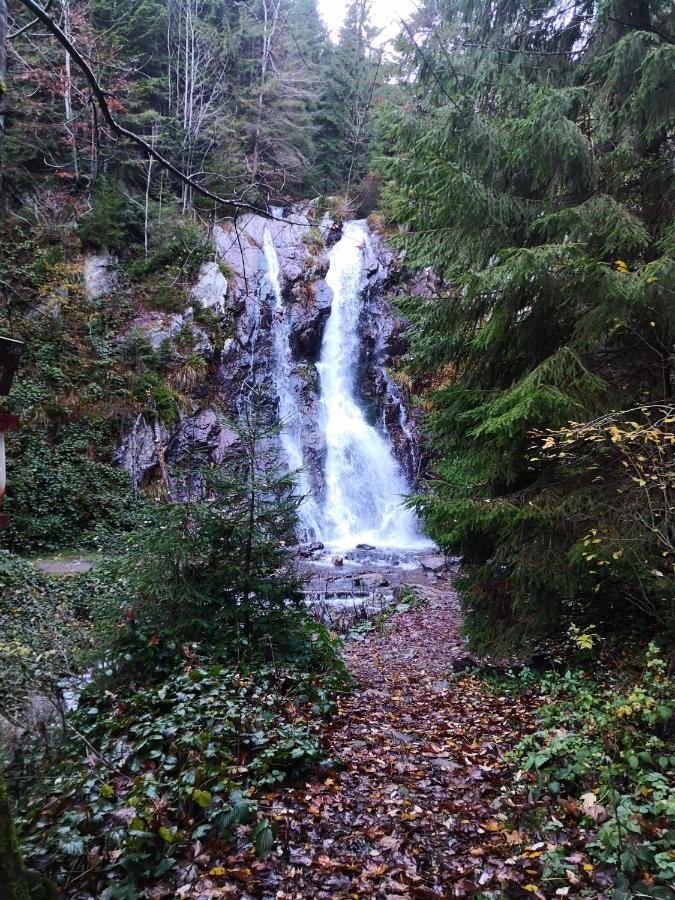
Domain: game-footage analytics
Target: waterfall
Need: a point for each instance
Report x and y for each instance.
(364, 483)
(289, 413)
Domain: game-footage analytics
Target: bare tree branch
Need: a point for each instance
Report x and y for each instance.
(100, 96)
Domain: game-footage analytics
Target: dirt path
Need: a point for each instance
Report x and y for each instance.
(418, 809)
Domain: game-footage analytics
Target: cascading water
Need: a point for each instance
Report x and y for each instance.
(289, 413)
(364, 484)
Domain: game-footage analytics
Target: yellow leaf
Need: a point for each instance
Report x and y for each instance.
(652, 279)
(617, 554)
(217, 870)
(588, 867)
(532, 888)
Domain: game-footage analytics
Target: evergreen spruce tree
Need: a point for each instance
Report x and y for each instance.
(344, 119)
(217, 569)
(532, 164)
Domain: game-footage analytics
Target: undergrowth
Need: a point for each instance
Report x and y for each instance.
(141, 778)
(601, 762)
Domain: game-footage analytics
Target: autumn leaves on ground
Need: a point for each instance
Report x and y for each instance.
(422, 802)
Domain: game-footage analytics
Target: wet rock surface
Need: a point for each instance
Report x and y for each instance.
(345, 587)
(236, 286)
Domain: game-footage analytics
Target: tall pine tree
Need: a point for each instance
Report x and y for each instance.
(532, 163)
(344, 119)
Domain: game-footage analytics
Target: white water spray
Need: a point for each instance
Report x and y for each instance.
(289, 412)
(364, 484)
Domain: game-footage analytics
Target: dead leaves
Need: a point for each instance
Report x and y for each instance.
(418, 809)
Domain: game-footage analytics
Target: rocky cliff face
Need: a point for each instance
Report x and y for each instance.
(237, 287)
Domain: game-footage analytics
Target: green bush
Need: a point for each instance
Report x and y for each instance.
(219, 570)
(161, 401)
(45, 630)
(113, 223)
(58, 495)
(603, 755)
(168, 765)
(179, 247)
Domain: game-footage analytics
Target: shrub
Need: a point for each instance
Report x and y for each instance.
(58, 495)
(114, 223)
(178, 248)
(45, 630)
(603, 755)
(143, 774)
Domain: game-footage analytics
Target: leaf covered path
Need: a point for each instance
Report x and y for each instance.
(418, 809)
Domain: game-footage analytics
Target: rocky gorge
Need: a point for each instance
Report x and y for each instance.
(265, 305)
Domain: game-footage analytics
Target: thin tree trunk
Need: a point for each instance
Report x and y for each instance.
(148, 182)
(68, 92)
(3, 93)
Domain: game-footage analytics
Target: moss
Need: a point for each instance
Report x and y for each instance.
(225, 270)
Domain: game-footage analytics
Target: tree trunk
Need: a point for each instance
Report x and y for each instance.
(12, 884)
(3, 91)
(70, 124)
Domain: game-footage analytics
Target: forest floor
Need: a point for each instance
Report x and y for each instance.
(423, 803)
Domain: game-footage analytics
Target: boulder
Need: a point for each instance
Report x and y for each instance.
(433, 563)
(138, 451)
(292, 272)
(160, 327)
(99, 275)
(372, 580)
(308, 319)
(203, 438)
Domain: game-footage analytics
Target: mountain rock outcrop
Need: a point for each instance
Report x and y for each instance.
(235, 286)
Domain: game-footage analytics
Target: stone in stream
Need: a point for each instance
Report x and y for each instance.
(338, 561)
(433, 563)
(309, 548)
(372, 581)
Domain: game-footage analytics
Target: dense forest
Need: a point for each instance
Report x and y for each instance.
(337, 556)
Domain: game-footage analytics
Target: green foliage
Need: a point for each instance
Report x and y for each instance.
(207, 681)
(11, 865)
(58, 494)
(84, 373)
(160, 401)
(113, 223)
(602, 754)
(214, 570)
(168, 765)
(525, 159)
(46, 630)
(344, 116)
(177, 247)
